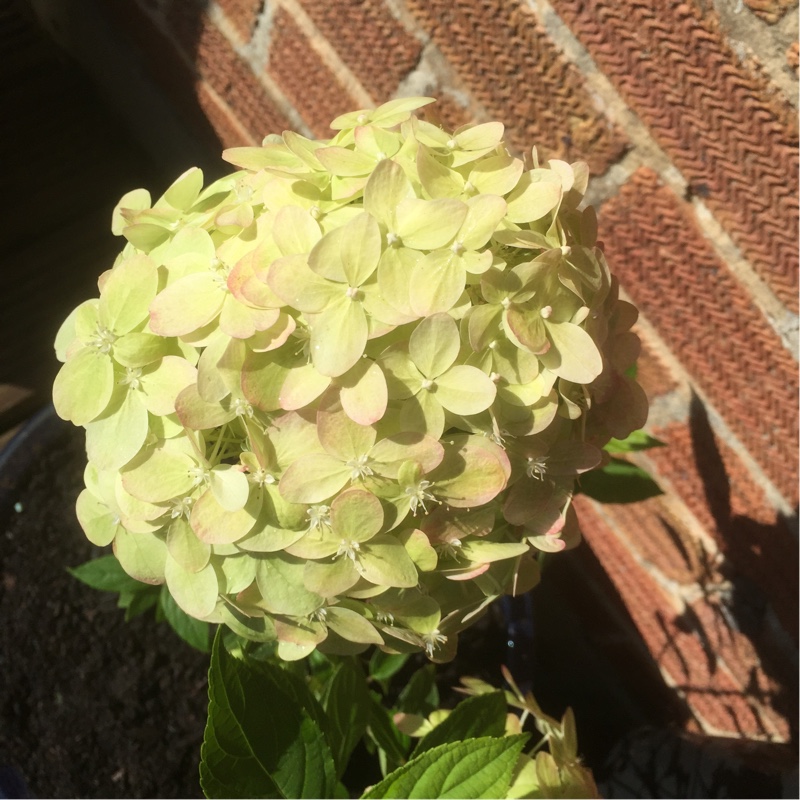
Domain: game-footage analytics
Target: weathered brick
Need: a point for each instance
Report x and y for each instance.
(304, 78)
(374, 45)
(719, 122)
(242, 14)
(507, 61)
(719, 490)
(707, 319)
(679, 642)
(770, 10)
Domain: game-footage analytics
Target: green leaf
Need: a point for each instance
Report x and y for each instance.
(383, 666)
(638, 440)
(476, 768)
(619, 482)
(106, 574)
(420, 695)
(484, 715)
(193, 631)
(261, 740)
(346, 702)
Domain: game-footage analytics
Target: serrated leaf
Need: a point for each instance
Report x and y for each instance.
(245, 753)
(484, 715)
(477, 768)
(619, 482)
(346, 703)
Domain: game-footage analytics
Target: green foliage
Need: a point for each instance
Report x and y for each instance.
(341, 396)
(619, 482)
(267, 735)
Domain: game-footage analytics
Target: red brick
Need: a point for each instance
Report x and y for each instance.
(504, 57)
(373, 44)
(242, 15)
(718, 489)
(224, 121)
(708, 320)
(723, 128)
(679, 645)
(304, 78)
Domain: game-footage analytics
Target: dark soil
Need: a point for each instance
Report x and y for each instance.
(91, 706)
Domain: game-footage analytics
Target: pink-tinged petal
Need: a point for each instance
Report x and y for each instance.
(389, 454)
(236, 320)
(313, 478)
(535, 503)
(142, 556)
(338, 336)
(186, 305)
(356, 515)
(198, 415)
(471, 474)
(444, 524)
(339, 434)
(213, 524)
(247, 288)
(272, 336)
(301, 387)
(528, 329)
(162, 384)
(294, 282)
(363, 392)
(465, 573)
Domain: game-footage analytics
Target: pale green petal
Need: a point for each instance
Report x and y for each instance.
(117, 435)
(296, 284)
(356, 515)
(145, 236)
(484, 325)
(215, 525)
(314, 478)
(465, 390)
(330, 579)
(185, 548)
(537, 193)
(262, 379)
(429, 224)
(527, 328)
(423, 413)
(229, 486)
(384, 561)
(394, 278)
(195, 592)
(140, 349)
(295, 231)
(574, 355)
(386, 188)
(135, 200)
(479, 551)
(341, 436)
(479, 137)
(238, 572)
(196, 414)
(280, 581)
(437, 281)
(99, 522)
(363, 392)
(496, 175)
(185, 190)
(210, 383)
(351, 625)
(141, 555)
(338, 337)
(267, 539)
(159, 475)
(162, 385)
(360, 248)
(83, 386)
(345, 163)
(403, 379)
(434, 344)
(437, 179)
(186, 305)
(483, 216)
(388, 455)
(419, 548)
(301, 387)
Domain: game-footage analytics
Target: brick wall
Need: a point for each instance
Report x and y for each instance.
(686, 114)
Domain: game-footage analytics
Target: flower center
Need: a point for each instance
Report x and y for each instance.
(359, 468)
